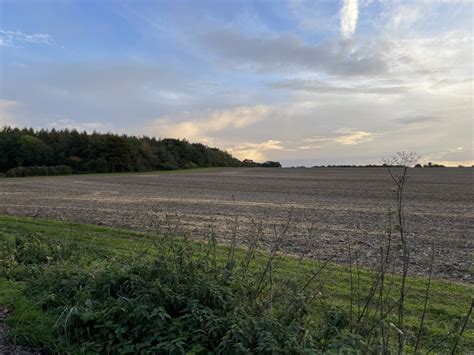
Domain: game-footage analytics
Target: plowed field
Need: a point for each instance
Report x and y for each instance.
(329, 209)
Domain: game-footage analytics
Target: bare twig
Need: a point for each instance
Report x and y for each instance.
(403, 160)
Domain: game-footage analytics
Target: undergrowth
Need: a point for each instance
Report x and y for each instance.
(169, 294)
(168, 301)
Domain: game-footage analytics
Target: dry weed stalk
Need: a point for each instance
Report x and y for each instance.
(404, 161)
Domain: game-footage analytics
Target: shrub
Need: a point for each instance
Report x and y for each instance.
(2, 175)
(190, 165)
(271, 164)
(15, 172)
(59, 170)
(39, 171)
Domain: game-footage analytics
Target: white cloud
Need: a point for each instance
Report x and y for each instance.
(13, 38)
(199, 128)
(349, 14)
(404, 16)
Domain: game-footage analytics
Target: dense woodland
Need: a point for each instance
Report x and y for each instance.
(51, 152)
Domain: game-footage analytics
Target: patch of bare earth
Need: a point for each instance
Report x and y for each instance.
(331, 208)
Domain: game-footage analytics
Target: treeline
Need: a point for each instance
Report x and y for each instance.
(268, 164)
(49, 152)
(429, 165)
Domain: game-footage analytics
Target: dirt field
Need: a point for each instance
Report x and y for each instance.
(344, 206)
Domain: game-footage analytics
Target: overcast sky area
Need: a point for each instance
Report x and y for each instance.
(304, 82)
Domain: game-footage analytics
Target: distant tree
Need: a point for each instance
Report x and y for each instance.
(431, 165)
(271, 164)
(249, 163)
(33, 151)
(97, 152)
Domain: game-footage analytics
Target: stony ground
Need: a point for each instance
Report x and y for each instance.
(331, 208)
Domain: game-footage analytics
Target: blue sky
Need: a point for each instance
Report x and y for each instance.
(303, 82)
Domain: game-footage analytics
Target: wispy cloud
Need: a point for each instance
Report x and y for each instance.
(308, 147)
(349, 15)
(356, 137)
(199, 127)
(13, 38)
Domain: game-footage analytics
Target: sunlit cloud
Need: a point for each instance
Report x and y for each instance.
(255, 151)
(452, 163)
(453, 156)
(199, 127)
(356, 137)
(349, 14)
(308, 147)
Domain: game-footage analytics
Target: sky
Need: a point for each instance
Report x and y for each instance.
(304, 82)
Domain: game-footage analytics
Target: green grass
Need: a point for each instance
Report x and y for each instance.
(155, 172)
(29, 324)
(449, 301)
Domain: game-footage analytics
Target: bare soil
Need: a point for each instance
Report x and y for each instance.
(344, 206)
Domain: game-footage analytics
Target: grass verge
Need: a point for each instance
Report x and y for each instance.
(44, 261)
